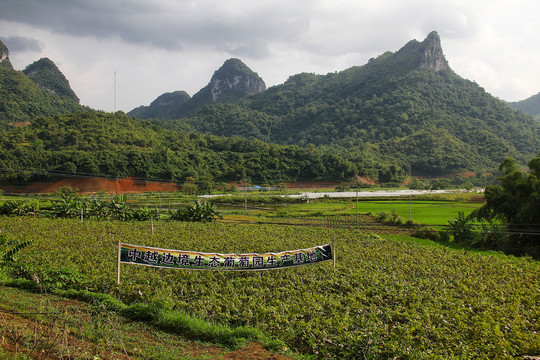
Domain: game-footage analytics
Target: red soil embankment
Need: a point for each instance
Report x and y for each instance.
(132, 185)
(93, 185)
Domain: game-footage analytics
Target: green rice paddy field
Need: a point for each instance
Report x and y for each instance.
(423, 212)
(434, 213)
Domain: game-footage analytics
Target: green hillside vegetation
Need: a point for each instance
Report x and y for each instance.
(164, 107)
(232, 82)
(115, 145)
(49, 78)
(425, 120)
(22, 100)
(4, 57)
(403, 113)
(529, 106)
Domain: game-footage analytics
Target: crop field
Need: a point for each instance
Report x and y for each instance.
(422, 211)
(384, 299)
(434, 213)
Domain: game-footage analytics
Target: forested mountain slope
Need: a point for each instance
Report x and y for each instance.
(115, 145)
(529, 106)
(409, 106)
(232, 82)
(49, 78)
(40, 90)
(21, 100)
(4, 57)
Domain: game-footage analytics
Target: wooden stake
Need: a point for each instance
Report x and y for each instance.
(334, 253)
(118, 264)
(152, 224)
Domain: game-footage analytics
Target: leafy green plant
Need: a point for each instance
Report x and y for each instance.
(390, 218)
(68, 206)
(96, 208)
(384, 299)
(18, 207)
(462, 229)
(9, 248)
(516, 202)
(491, 236)
(118, 208)
(426, 233)
(145, 214)
(201, 211)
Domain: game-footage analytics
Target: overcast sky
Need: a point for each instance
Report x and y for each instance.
(158, 46)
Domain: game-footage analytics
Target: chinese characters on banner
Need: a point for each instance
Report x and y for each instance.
(178, 259)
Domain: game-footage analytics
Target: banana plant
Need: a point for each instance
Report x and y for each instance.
(68, 206)
(201, 211)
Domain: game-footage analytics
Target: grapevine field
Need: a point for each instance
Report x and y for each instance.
(384, 299)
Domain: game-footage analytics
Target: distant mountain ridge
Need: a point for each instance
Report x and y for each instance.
(232, 82)
(529, 106)
(48, 77)
(40, 90)
(408, 108)
(404, 112)
(4, 57)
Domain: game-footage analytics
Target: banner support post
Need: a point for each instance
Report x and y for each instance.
(334, 252)
(118, 264)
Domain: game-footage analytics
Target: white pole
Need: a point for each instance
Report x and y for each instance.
(114, 109)
(357, 205)
(334, 253)
(118, 264)
(245, 188)
(410, 211)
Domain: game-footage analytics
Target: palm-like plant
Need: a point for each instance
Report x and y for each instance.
(201, 211)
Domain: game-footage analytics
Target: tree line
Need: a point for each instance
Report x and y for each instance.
(115, 145)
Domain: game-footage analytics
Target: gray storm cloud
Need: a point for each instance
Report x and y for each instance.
(240, 30)
(19, 44)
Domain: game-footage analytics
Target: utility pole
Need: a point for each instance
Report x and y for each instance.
(357, 204)
(410, 211)
(245, 189)
(114, 108)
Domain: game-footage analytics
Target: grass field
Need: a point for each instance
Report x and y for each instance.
(421, 211)
(434, 213)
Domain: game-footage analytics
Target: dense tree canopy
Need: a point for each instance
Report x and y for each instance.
(421, 120)
(49, 78)
(115, 145)
(516, 202)
(21, 100)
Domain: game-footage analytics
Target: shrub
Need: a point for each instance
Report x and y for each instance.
(426, 233)
(389, 218)
(462, 229)
(201, 211)
(10, 248)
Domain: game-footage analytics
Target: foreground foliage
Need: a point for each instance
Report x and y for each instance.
(92, 329)
(384, 299)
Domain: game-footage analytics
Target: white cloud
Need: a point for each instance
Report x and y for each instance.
(158, 46)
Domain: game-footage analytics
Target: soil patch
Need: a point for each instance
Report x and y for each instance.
(96, 184)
